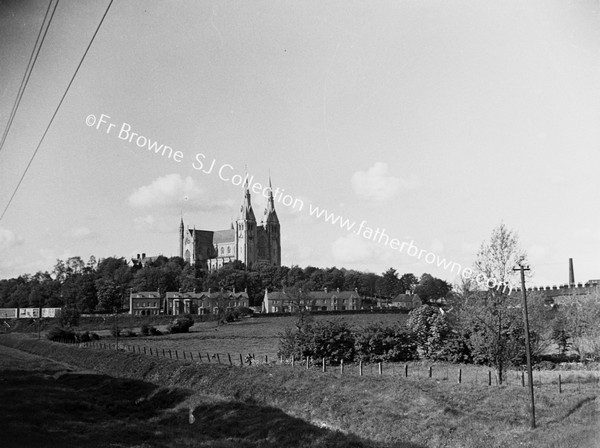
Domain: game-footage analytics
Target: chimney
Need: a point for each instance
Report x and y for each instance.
(325, 289)
(143, 255)
(138, 256)
(338, 289)
(571, 273)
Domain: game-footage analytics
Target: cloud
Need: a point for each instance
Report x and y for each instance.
(351, 249)
(176, 192)
(378, 185)
(8, 239)
(80, 233)
(166, 191)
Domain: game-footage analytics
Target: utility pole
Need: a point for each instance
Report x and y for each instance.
(527, 343)
(116, 328)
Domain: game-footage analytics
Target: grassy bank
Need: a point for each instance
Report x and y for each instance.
(385, 409)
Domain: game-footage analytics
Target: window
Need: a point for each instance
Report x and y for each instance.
(228, 249)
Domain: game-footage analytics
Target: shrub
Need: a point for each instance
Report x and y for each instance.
(376, 343)
(154, 331)
(128, 333)
(430, 330)
(59, 334)
(333, 340)
(87, 337)
(181, 324)
(145, 330)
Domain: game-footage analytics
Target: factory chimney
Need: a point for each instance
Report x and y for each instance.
(571, 273)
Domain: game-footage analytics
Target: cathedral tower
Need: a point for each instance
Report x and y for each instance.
(246, 231)
(272, 229)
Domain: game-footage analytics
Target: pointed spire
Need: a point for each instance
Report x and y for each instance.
(270, 210)
(246, 210)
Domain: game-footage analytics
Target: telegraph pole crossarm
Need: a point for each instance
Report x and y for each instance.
(527, 341)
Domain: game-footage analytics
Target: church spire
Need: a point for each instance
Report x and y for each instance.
(246, 211)
(270, 213)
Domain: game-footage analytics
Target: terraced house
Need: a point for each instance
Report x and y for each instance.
(336, 300)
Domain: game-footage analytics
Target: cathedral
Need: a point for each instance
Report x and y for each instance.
(246, 241)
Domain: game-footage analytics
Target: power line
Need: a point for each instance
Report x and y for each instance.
(56, 110)
(29, 69)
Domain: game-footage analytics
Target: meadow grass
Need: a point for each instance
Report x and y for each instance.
(388, 410)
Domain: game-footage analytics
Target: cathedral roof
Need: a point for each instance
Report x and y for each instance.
(224, 236)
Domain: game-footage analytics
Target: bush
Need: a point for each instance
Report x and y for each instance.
(376, 343)
(87, 337)
(181, 324)
(145, 330)
(154, 331)
(59, 334)
(331, 340)
(430, 330)
(128, 333)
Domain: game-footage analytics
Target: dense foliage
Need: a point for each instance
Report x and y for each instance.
(104, 285)
(181, 324)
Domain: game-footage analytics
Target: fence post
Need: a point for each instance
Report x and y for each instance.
(380, 368)
(192, 356)
(144, 350)
(360, 368)
(266, 359)
(164, 353)
(342, 367)
(150, 351)
(293, 360)
(170, 354)
(430, 371)
(229, 356)
(522, 378)
(559, 385)
(208, 356)
(176, 355)
(218, 359)
(459, 376)
(183, 354)
(406, 370)
(489, 377)
(307, 360)
(324, 368)
(241, 360)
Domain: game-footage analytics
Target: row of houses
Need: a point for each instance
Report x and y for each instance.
(212, 302)
(147, 303)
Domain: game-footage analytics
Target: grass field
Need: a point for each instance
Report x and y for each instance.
(247, 403)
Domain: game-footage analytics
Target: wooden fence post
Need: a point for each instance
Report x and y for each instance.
(307, 361)
(293, 360)
(489, 377)
(241, 360)
(324, 368)
(380, 369)
(559, 385)
(164, 353)
(230, 363)
(360, 368)
(144, 349)
(170, 354)
(183, 354)
(208, 356)
(218, 359)
(406, 370)
(266, 359)
(459, 376)
(522, 378)
(342, 367)
(430, 371)
(176, 355)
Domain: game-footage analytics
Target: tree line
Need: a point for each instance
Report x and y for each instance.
(103, 285)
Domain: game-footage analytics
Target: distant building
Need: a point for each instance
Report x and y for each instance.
(206, 302)
(145, 303)
(248, 241)
(405, 302)
(142, 261)
(336, 300)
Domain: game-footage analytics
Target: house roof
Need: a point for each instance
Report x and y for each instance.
(146, 295)
(406, 298)
(311, 295)
(224, 236)
(206, 295)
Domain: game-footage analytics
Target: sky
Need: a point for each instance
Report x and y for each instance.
(430, 121)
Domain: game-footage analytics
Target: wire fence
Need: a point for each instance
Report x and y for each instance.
(559, 380)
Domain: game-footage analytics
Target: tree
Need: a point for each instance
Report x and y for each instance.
(492, 319)
(408, 282)
(389, 284)
(109, 296)
(431, 289)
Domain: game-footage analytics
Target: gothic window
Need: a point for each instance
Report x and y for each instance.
(228, 249)
(222, 250)
(187, 256)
